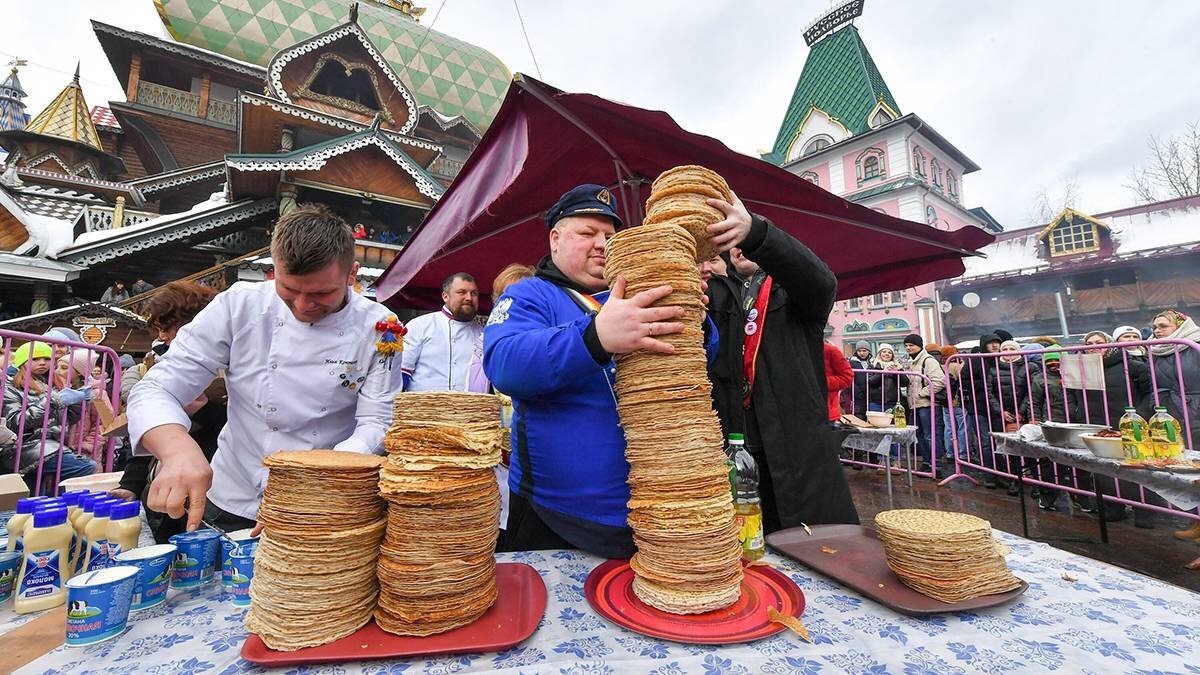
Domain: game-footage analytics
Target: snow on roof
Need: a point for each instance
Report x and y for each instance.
(215, 200)
(49, 235)
(364, 272)
(1132, 233)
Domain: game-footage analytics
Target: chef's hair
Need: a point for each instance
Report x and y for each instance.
(457, 275)
(311, 237)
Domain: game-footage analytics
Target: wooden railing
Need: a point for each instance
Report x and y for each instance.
(222, 112)
(168, 98)
(213, 277)
(101, 218)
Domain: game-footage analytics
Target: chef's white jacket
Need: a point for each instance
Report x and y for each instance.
(292, 385)
(437, 352)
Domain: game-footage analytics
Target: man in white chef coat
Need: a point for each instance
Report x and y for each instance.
(439, 346)
(301, 369)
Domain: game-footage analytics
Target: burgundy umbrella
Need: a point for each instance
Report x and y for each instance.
(543, 142)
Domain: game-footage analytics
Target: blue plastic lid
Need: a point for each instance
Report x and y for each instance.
(89, 501)
(123, 510)
(26, 504)
(50, 517)
(49, 504)
(70, 498)
(102, 509)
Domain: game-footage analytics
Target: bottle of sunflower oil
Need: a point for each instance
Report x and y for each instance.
(1165, 435)
(747, 508)
(899, 416)
(1135, 438)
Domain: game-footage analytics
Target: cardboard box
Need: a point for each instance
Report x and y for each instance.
(12, 488)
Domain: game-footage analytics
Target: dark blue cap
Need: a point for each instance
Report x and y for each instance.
(585, 200)
(50, 517)
(122, 510)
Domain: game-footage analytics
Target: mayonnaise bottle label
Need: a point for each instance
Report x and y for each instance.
(113, 549)
(99, 555)
(43, 575)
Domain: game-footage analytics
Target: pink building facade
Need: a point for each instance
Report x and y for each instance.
(844, 132)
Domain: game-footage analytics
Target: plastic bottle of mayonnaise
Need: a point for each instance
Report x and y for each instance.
(17, 523)
(71, 501)
(124, 527)
(40, 581)
(96, 537)
(86, 504)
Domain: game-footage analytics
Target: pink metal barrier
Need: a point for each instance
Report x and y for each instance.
(882, 390)
(50, 404)
(1002, 390)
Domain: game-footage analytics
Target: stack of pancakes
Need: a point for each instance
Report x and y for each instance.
(677, 197)
(681, 512)
(945, 555)
(437, 569)
(314, 572)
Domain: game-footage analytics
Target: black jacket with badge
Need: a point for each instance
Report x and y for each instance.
(788, 403)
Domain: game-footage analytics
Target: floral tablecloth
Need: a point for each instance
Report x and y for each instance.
(1107, 620)
(1181, 489)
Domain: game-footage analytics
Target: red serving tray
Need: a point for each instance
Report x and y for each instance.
(609, 590)
(520, 603)
(861, 564)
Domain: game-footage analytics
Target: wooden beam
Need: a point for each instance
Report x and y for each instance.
(205, 85)
(135, 76)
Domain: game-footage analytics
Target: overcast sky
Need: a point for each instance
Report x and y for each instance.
(1037, 93)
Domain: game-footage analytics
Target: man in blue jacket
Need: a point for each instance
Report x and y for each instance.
(549, 344)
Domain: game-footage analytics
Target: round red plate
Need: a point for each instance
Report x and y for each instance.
(609, 590)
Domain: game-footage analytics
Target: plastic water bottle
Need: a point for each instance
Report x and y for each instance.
(736, 444)
(747, 507)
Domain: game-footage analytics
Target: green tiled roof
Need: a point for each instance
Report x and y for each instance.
(449, 75)
(840, 78)
(883, 189)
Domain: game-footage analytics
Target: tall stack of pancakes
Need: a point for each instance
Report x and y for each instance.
(314, 571)
(946, 555)
(688, 559)
(437, 569)
(677, 197)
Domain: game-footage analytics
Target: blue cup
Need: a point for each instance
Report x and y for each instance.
(227, 546)
(154, 573)
(196, 558)
(98, 604)
(242, 558)
(9, 564)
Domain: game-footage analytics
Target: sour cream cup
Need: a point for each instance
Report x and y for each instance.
(227, 564)
(98, 604)
(154, 565)
(242, 559)
(10, 563)
(196, 558)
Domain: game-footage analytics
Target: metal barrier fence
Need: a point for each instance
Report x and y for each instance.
(889, 387)
(999, 391)
(52, 404)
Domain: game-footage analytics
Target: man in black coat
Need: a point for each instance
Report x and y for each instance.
(776, 301)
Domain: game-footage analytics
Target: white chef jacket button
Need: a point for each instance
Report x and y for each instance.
(274, 366)
(341, 332)
(259, 405)
(271, 409)
(274, 428)
(279, 322)
(323, 409)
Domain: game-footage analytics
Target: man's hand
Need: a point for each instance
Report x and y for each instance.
(627, 325)
(184, 475)
(121, 493)
(731, 231)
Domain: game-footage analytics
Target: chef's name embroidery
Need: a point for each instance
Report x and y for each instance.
(339, 362)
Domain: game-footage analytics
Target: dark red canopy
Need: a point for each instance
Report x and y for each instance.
(543, 142)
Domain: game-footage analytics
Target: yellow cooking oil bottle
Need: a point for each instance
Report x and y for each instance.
(899, 416)
(747, 508)
(43, 565)
(1165, 435)
(1135, 437)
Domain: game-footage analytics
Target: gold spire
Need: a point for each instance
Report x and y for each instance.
(68, 116)
(407, 7)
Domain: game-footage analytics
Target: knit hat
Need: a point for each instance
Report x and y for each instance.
(1101, 333)
(1010, 346)
(127, 362)
(913, 339)
(887, 347)
(1125, 330)
(20, 355)
(933, 347)
(948, 351)
(1003, 334)
(63, 334)
(1052, 357)
(862, 344)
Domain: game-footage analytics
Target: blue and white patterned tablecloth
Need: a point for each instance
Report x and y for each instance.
(1106, 621)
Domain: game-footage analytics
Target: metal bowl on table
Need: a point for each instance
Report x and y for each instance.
(1064, 435)
(1104, 446)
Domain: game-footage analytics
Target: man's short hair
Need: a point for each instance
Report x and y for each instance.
(309, 238)
(457, 275)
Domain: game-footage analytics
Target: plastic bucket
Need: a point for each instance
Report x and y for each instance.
(154, 573)
(195, 559)
(98, 604)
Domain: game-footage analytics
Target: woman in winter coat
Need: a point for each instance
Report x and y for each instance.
(861, 360)
(838, 376)
(1012, 387)
(1174, 324)
(883, 391)
(37, 411)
